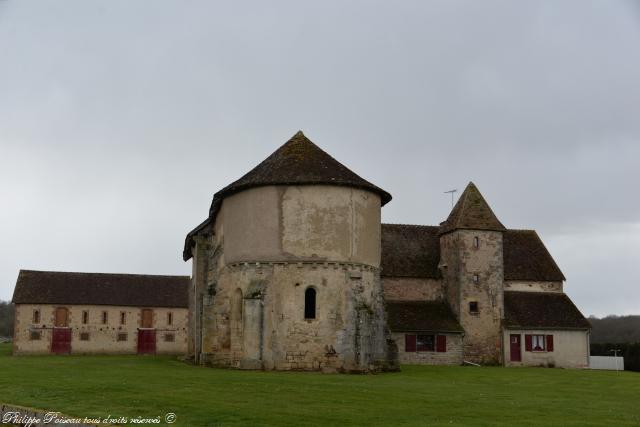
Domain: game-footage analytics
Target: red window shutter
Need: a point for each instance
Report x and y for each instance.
(441, 343)
(528, 343)
(549, 342)
(409, 343)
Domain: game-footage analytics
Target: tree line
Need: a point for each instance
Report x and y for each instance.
(6, 319)
(617, 333)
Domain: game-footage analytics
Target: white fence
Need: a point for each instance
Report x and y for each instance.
(607, 362)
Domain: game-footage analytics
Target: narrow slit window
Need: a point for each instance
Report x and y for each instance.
(476, 242)
(105, 317)
(310, 303)
(169, 318)
(85, 317)
(123, 317)
(476, 279)
(36, 316)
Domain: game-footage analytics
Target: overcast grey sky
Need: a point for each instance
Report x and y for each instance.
(120, 119)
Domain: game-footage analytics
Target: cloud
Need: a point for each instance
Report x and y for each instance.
(119, 121)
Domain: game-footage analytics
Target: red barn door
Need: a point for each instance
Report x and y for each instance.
(61, 341)
(146, 341)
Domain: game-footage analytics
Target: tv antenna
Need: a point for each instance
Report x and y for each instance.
(452, 193)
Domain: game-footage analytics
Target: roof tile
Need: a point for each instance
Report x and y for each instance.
(139, 290)
(542, 310)
(472, 212)
(433, 316)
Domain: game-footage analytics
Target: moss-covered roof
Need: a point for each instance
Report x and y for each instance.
(138, 290)
(301, 162)
(410, 251)
(414, 251)
(298, 162)
(527, 258)
(472, 212)
(542, 310)
(427, 316)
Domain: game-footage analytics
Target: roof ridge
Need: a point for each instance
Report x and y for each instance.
(410, 225)
(101, 273)
(538, 292)
(464, 197)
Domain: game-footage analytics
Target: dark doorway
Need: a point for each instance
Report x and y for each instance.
(514, 340)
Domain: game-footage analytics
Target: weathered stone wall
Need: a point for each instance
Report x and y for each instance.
(570, 349)
(291, 223)
(412, 289)
(462, 262)
(258, 317)
(449, 267)
(453, 355)
(528, 286)
(102, 337)
(269, 244)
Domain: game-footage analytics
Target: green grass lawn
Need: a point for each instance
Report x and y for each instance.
(151, 386)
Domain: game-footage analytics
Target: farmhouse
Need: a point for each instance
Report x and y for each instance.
(292, 269)
(91, 313)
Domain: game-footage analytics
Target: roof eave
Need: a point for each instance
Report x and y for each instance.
(549, 328)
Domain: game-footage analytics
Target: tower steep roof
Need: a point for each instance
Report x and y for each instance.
(301, 162)
(472, 212)
(298, 162)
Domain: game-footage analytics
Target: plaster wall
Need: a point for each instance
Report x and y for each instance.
(103, 337)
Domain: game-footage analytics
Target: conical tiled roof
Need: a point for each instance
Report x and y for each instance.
(298, 162)
(301, 162)
(472, 213)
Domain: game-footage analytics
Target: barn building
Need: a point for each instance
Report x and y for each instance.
(96, 313)
(293, 269)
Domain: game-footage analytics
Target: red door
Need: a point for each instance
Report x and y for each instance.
(514, 339)
(146, 341)
(61, 341)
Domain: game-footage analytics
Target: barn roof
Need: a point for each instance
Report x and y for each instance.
(542, 310)
(527, 258)
(472, 212)
(298, 162)
(414, 251)
(432, 316)
(139, 290)
(410, 251)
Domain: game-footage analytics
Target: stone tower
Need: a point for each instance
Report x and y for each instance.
(286, 269)
(473, 271)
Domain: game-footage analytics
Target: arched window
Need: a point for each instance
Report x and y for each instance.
(310, 303)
